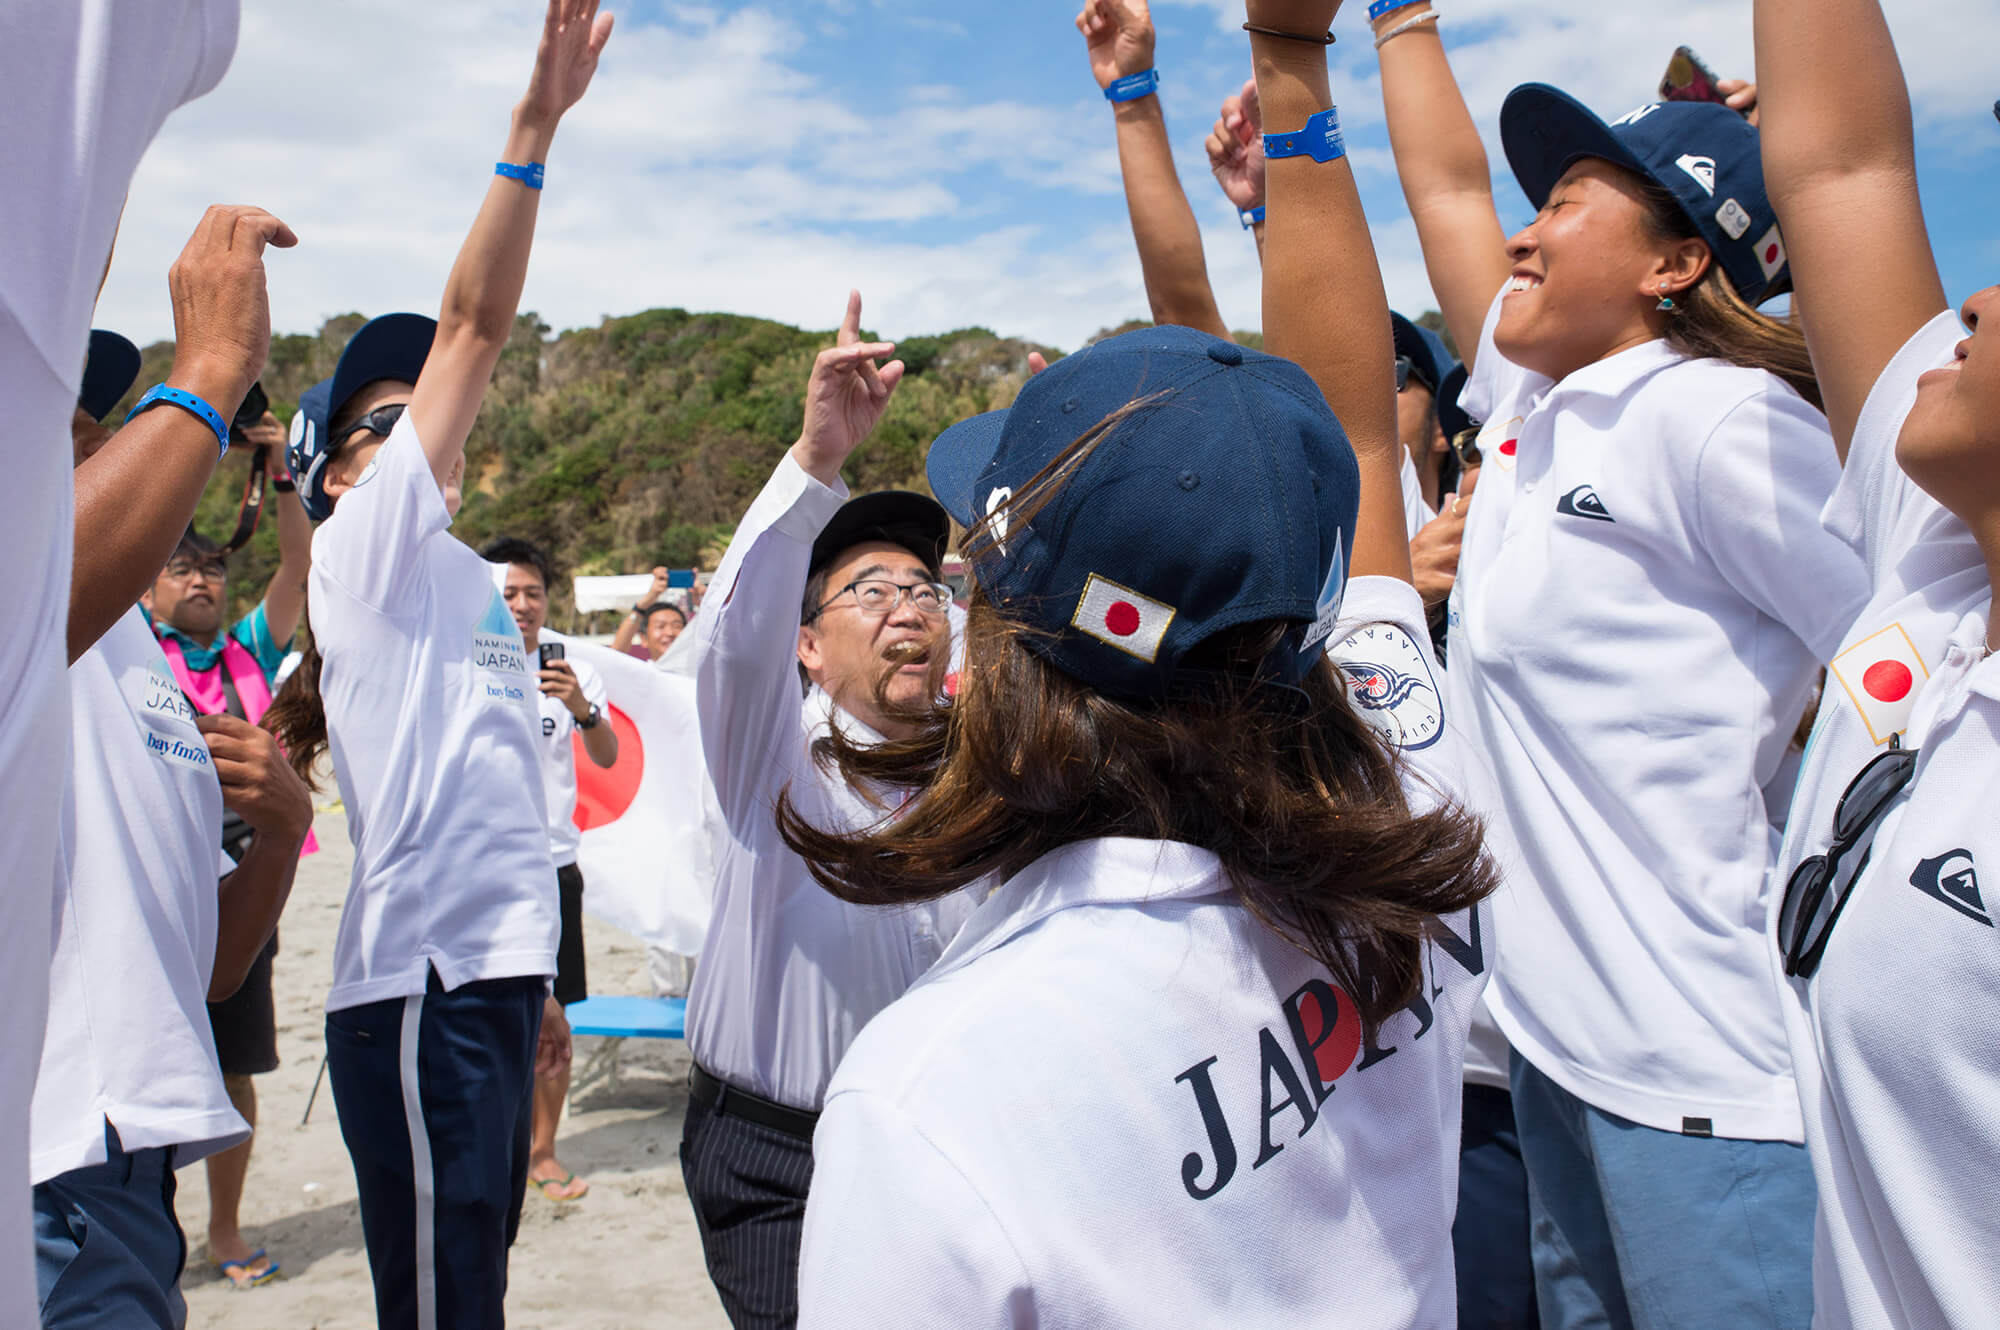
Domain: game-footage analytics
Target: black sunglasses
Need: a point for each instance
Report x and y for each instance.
(1807, 915)
(379, 421)
(1403, 366)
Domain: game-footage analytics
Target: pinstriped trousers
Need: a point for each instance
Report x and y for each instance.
(748, 1184)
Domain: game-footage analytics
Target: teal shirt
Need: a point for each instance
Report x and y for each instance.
(252, 632)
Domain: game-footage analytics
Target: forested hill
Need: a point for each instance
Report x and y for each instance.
(640, 441)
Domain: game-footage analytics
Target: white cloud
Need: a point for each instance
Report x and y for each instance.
(711, 168)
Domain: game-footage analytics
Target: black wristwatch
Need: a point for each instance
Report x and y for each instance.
(592, 719)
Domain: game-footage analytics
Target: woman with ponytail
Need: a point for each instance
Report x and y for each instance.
(1645, 596)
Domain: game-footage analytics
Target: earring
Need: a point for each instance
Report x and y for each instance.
(1667, 305)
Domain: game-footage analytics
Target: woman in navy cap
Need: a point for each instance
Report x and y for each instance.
(1644, 598)
(1196, 1059)
(426, 698)
(1886, 929)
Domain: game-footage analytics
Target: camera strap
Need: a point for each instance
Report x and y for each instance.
(253, 503)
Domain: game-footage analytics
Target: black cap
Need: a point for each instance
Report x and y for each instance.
(917, 522)
(1424, 349)
(108, 374)
(1451, 415)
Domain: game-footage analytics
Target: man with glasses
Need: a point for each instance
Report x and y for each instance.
(233, 671)
(846, 598)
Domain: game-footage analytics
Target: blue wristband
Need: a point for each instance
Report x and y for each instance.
(1252, 217)
(1319, 140)
(1134, 86)
(188, 402)
(529, 175)
(1381, 7)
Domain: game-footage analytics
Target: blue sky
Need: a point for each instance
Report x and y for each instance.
(955, 163)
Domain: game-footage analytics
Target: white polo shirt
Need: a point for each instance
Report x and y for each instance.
(1644, 596)
(128, 1032)
(435, 734)
(84, 87)
(1119, 1100)
(1896, 1059)
(557, 726)
(788, 974)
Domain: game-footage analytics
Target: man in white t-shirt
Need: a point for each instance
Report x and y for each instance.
(572, 703)
(84, 86)
(848, 596)
(128, 1087)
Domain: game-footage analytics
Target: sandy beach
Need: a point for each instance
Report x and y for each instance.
(626, 1255)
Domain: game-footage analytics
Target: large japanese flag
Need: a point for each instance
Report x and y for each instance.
(650, 820)
(1882, 675)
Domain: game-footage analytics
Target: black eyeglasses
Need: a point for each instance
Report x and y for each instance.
(1810, 908)
(875, 597)
(379, 421)
(1403, 367)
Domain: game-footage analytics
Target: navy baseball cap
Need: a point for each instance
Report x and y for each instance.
(393, 346)
(917, 522)
(1704, 154)
(108, 374)
(1425, 350)
(1226, 496)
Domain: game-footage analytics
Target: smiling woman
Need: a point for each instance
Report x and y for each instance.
(1659, 441)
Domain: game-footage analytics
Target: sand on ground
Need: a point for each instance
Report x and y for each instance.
(626, 1255)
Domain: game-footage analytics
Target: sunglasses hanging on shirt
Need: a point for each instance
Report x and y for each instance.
(1811, 906)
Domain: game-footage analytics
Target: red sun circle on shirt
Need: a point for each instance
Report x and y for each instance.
(1343, 1045)
(1888, 680)
(1509, 448)
(1122, 618)
(603, 794)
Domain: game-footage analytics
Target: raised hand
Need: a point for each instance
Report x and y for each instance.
(845, 397)
(1236, 148)
(222, 312)
(1740, 95)
(573, 36)
(1119, 36)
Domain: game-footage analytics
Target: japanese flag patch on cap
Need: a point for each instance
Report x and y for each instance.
(1120, 617)
(1882, 675)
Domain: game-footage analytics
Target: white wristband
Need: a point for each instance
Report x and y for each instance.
(1429, 16)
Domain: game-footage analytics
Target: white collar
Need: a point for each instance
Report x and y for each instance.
(1111, 871)
(1614, 375)
(826, 713)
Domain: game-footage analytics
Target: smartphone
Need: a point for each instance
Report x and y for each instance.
(681, 577)
(1689, 80)
(551, 651)
(255, 404)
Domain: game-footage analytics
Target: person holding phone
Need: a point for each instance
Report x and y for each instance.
(1884, 917)
(423, 690)
(1628, 542)
(572, 703)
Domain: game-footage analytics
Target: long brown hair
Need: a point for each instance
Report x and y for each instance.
(1715, 322)
(1300, 799)
(297, 715)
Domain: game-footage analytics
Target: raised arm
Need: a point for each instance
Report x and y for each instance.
(1324, 306)
(484, 290)
(1840, 163)
(134, 497)
(1119, 36)
(285, 598)
(1236, 155)
(1444, 172)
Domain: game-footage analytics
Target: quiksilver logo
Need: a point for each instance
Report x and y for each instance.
(1583, 502)
(1951, 878)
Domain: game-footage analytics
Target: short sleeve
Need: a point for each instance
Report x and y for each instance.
(896, 1237)
(1761, 481)
(1382, 649)
(371, 546)
(1876, 508)
(253, 633)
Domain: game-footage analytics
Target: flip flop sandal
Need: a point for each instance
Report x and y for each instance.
(256, 1280)
(544, 1186)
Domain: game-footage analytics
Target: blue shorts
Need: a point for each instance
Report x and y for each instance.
(1640, 1229)
(434, 1093)
(108, 1249)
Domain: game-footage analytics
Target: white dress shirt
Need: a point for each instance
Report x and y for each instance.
(789, 974)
